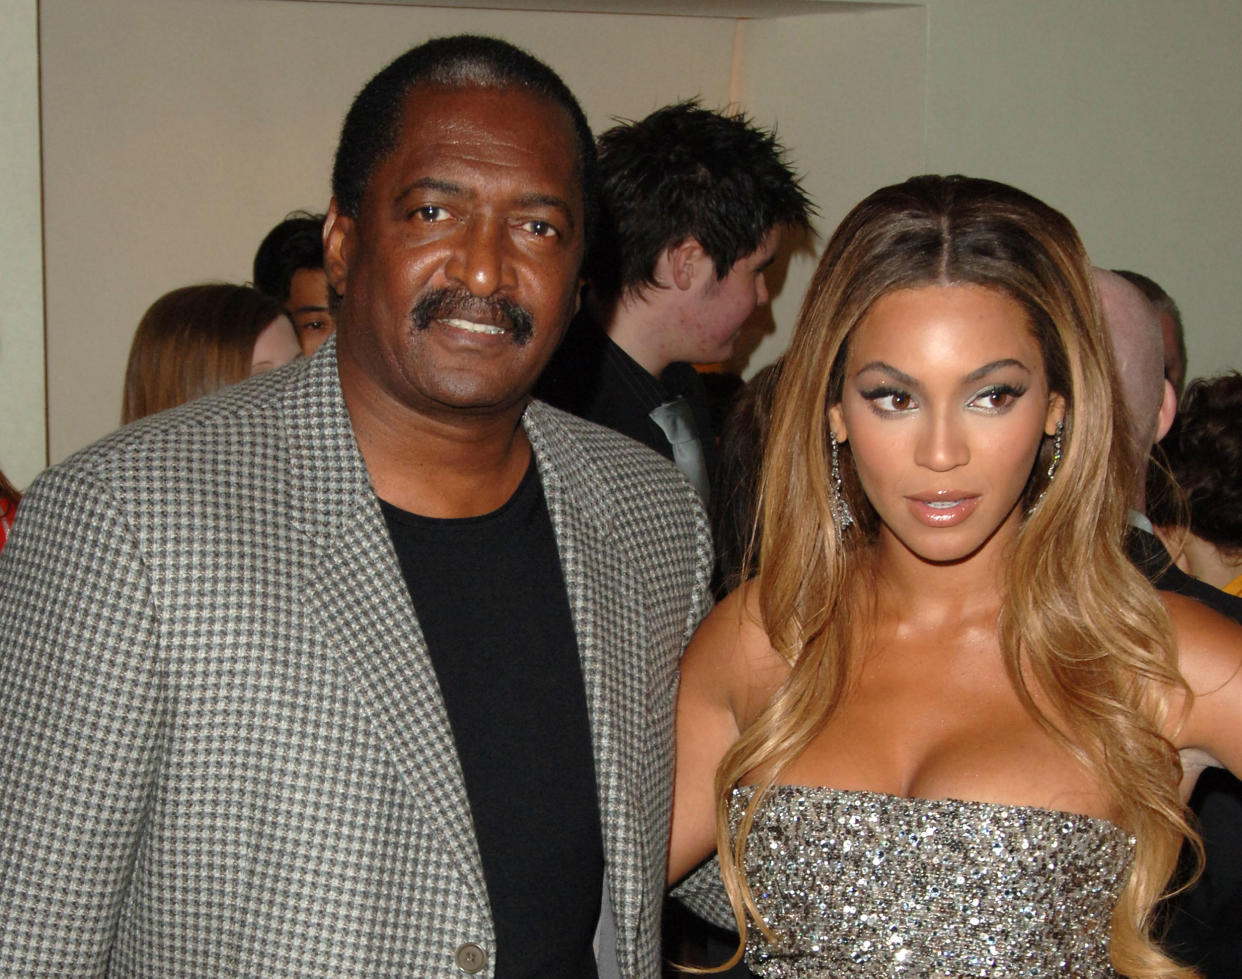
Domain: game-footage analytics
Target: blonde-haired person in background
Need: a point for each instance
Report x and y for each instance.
(200, 338)
(940, 732)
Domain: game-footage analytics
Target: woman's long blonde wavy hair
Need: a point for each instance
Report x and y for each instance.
(1079, 624)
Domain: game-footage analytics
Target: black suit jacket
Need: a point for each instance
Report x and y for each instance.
(592, 377)
(1206, 923)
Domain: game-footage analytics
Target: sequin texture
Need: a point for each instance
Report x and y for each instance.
(861, 884)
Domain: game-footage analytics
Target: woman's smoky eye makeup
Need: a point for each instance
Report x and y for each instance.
(886, 399)
(1001, 395)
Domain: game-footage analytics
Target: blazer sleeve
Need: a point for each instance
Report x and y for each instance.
(81, 691)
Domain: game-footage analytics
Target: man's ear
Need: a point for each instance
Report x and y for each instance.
(686, 263)
(338, 240)
(1168, 410)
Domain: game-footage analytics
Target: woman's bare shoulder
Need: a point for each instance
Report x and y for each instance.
(732, 651)
(1209, 649)
(1209, 645)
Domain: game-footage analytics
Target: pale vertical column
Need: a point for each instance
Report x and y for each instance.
(737, 63)
(23, 406)
(845, 90)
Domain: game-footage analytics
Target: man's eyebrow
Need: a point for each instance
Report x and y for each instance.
(431, 183)
(548, 200)
(448, 188)
(307, 309)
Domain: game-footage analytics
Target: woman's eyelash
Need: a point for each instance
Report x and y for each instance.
(889, 400)
(1009, 391)
(883, 392)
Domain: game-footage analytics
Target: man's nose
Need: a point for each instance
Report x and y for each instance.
(480, 259)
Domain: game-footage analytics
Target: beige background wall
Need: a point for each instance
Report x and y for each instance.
(1126, 115)
(846, 93)
(176, 132)
(23, 433)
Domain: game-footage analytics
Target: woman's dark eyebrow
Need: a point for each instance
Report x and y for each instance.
(981, 372)
(977, 374)
(890, 370)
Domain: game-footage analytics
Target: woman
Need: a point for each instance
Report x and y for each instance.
(944, 612)
(1203, 450)
(197, 339)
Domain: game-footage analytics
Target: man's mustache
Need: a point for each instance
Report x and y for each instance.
(447, 304)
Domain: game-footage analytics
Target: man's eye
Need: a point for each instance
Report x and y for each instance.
(541, 229)
(431, 213)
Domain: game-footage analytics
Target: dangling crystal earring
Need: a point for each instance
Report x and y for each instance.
(1057, 439)
(841, 514)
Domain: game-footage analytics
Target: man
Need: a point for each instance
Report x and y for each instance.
(1172, 332)
(696, 203)
(1151, 402)
(289, 267)
(1204, 922)
(365, 667)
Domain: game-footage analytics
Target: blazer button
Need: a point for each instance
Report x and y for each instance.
(471, 958)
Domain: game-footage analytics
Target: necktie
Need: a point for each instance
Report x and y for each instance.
(676, 420)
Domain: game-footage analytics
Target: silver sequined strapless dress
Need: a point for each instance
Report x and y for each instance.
(865, 884)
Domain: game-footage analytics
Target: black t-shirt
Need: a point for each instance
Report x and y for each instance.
(490, 598)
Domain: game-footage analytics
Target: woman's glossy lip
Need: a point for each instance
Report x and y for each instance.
(942, 509)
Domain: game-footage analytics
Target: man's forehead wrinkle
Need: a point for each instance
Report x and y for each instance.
(429, 183)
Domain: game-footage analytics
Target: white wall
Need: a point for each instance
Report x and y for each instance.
(846, 95)
(23, 431)
(176, 132)
(1124, 114)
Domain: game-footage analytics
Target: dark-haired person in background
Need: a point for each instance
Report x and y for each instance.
(695, 203)
(1203, 921)
(366, 667)
(289, 267)
(1203, 451)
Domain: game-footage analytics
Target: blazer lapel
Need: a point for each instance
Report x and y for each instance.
(362, 604)
(602, 588)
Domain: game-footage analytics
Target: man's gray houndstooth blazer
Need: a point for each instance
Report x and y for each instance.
(223, 750)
